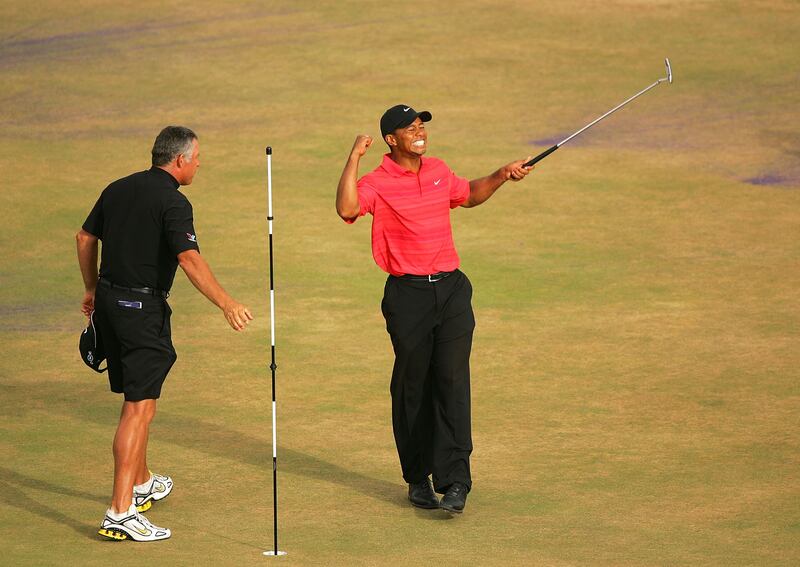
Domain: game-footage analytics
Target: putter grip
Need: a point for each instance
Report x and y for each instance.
(541, 156)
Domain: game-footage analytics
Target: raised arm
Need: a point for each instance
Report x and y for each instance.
(87, 259)
(347, 193)
(199, 273)
(483, 188)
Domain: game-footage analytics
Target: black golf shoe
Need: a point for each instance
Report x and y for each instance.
(455, 498)
(421, 494)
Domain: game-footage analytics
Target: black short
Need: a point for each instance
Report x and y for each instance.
(136, 333)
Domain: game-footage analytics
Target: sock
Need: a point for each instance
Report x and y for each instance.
(145, 486)
(114, 516)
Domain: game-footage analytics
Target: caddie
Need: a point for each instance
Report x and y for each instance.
(147, 229)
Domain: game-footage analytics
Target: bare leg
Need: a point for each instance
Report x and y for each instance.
(143, 472)
(130, 444)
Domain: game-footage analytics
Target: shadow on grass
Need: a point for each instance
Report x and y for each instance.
(11, 495)
(218, 441)
(433, 515)
(9, 476)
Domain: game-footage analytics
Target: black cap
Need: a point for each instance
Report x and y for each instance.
(400, 116)
(91, 346)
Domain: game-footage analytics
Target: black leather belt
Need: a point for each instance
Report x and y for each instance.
(427, 278)
(144, 290)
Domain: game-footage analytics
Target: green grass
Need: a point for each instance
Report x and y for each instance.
(635, 382)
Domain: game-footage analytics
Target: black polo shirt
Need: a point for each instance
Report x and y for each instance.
(144, 222)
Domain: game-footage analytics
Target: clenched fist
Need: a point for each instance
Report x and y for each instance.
(363, 141)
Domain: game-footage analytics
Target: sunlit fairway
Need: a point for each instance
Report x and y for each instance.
(635, 369)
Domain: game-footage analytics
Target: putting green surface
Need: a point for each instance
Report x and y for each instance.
(635, 367)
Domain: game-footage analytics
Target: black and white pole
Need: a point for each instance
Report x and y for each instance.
(274, 551)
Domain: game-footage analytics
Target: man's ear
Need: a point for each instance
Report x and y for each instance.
(390, 139)
(180, 160)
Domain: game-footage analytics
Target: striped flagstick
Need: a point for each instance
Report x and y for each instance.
(274, 551)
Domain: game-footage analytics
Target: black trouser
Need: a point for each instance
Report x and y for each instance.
(431, 326)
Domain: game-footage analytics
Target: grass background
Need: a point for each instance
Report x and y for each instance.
(635, 382)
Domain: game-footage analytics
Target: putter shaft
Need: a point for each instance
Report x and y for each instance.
(551, 149)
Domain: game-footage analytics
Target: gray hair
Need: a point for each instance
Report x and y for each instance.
(171, 142)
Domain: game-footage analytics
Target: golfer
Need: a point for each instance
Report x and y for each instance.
(426, 301)
(146, 226)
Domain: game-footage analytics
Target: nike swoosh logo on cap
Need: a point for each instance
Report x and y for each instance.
(406, 109)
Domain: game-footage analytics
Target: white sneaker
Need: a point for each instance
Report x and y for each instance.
(132, 526)
(158, 487)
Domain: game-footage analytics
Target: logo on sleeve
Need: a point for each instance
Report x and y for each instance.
(437, 181)
(191, 237)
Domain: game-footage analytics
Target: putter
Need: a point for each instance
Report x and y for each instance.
(550, 150)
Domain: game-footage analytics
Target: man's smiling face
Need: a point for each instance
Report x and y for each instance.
(412, 139)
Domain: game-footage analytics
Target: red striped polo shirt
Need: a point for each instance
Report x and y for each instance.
(411, 231)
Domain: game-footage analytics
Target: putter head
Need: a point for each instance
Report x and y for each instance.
(669, 71)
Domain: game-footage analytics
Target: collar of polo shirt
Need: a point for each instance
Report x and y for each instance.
(161, 171)
(396, 170)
